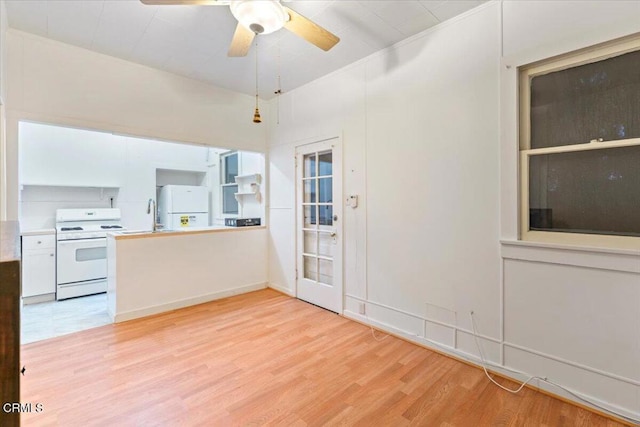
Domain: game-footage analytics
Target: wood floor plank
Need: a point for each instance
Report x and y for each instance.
(266, 359)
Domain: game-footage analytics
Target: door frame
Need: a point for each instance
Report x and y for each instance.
(336, 147)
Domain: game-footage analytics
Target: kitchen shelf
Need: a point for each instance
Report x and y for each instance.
(248, 185)
(240, 196)
(255, 177)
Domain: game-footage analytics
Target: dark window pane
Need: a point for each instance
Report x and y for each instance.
(593, 192)
(591, 101)
(229, 202)
(326, 164)
(230, 168)
(325, 186)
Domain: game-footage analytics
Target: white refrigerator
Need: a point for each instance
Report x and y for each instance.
(183, 206)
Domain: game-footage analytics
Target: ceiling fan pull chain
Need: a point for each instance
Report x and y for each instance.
(256, 114)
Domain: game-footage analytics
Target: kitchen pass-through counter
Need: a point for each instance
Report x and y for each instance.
(144, 234)
(153, 272)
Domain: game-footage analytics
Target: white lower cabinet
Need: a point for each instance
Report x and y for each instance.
(38, 265)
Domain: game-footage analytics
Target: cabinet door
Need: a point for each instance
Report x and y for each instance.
(38, 272)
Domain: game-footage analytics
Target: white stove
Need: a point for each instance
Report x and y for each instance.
(82, 250)
(74, 224)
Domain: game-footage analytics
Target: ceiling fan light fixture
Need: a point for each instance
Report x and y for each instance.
(259, 16)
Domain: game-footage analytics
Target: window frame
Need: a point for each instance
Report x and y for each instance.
(223, 184)
(525, 74)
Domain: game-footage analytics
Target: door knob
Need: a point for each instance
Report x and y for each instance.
(335, 217)
(333, 234)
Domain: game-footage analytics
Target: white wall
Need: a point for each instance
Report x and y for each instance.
(55, 83)
(427, 129)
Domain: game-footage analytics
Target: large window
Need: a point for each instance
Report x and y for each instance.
(229, 171)
(580, 148)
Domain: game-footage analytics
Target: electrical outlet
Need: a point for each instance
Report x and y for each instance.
(361, 308)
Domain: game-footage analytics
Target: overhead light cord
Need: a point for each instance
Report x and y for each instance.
(543, 379)
(256, 114)
(279, 91)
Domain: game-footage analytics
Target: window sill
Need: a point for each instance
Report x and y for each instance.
(591, 249)
(627, 260)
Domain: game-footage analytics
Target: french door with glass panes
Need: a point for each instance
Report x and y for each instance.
(319, 219)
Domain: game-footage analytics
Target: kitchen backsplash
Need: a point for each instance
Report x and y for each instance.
(38, 204)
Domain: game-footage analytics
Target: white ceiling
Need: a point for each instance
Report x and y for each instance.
(193, 40)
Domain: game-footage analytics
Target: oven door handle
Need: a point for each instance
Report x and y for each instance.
(84, 243)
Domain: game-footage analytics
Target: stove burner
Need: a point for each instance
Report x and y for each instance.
(71, 229)
(110, 226)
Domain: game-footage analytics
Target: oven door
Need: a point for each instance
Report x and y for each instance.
(80, 260)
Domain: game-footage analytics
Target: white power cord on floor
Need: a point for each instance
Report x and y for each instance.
(484, 367)
(544, 379)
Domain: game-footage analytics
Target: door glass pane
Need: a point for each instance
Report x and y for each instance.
(310, 268)
(326, 271)
(325, 247)
(309, 190)
(325, 164)
(590, 101)
(325, 215)
(310, 216)
(325, 188)
(310, 240)
(593, 192)
(309, 165)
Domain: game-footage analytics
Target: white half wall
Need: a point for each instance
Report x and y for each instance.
(428, 129)
(153, 273)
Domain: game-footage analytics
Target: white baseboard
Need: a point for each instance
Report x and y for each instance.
(38, 299)
(282, 289)
(161, 308)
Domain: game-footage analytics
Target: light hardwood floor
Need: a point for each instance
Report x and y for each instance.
(265, 358)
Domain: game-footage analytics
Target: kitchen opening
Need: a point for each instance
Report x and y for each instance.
(78, 185)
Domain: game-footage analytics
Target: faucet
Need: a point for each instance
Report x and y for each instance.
(155, 213)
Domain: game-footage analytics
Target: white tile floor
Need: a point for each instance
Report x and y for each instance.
(55, 318)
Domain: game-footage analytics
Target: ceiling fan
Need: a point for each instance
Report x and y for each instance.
(262, 17)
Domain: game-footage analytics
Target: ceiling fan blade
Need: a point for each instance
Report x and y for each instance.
(310, 31)
(241, 41)
(186, 2)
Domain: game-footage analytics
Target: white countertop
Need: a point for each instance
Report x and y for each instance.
(38, 232)
(188, 230)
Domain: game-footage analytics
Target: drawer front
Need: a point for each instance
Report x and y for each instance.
(46, 241)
